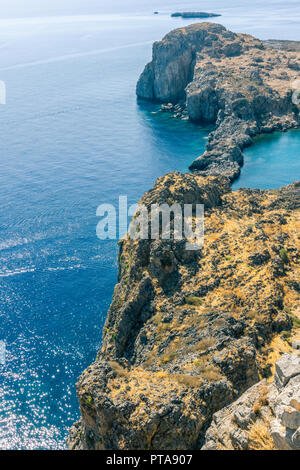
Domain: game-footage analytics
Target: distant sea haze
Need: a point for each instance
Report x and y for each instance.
(269, 19)
(74, 137)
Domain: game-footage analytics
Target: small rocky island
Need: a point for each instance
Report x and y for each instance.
(187, 333)
(199, 346)
(190, 14)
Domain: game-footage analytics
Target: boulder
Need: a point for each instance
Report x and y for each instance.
(286, 367)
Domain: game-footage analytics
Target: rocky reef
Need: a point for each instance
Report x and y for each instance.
(189, 331)
(242, 85)
(265, 417)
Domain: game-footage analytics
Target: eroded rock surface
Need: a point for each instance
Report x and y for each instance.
(189, 331)
(235, 81)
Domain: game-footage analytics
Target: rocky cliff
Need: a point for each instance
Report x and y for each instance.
(235, 81)
(189, 331)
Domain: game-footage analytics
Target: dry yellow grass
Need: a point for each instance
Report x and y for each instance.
(260, 437)
(212, 373)
(262, 400)
(189, 380)
(277, 347)
(118, 369)
(203, 345)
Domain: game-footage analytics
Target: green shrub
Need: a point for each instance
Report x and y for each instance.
(296, 322)
(283, 255)
(285, 335)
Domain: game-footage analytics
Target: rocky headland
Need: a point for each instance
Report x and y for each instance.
(188, 333)
(239, 83)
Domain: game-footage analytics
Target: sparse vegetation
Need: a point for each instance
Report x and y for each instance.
(286, 335)
(283, 255)
(168, 357)
(193, 300)
(189, 380)
(260, 437)
(212, 373)
(203, 344)
(89, 400)
(261, 401)
(118, 368)
(296, 321)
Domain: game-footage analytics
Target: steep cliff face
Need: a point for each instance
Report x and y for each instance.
(174, 59)
(189, 331)
(233, 80)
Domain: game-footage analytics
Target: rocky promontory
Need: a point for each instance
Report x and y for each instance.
(189, 331)
(193, 339)
(242, 85)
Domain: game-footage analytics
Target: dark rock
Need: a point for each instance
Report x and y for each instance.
(258, 259)
(196, 14)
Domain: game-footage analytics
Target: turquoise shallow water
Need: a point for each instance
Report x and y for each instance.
(73, 137)
(272, 161)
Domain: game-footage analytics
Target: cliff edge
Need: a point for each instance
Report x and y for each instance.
(189, 331)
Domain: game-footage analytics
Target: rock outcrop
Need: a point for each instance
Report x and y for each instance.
(189, 331)
(267, 416)
(237, 82)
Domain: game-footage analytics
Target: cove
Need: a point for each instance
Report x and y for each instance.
(273, 160)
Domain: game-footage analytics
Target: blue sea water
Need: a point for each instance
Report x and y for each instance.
(272, 161)
(73, 137)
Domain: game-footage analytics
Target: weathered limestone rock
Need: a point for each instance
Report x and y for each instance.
(232, 80)
(296, 439)
(289, 417)
(286, 367)
(279, 435)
